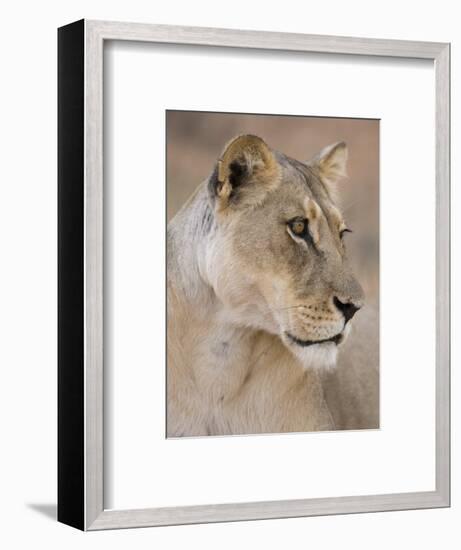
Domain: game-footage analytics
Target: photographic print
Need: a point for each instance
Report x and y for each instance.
(272, 273)
(231, 268)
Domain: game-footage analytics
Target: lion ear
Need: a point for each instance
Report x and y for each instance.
(331, 162)
(244, 171)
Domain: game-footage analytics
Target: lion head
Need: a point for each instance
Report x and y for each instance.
(277, 258)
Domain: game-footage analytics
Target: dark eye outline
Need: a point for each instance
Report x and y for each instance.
(305, 234)
(346, 230)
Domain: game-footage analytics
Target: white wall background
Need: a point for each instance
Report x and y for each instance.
(28, 274)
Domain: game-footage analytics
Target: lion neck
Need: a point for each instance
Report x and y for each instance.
(204, 334)
(187, 238)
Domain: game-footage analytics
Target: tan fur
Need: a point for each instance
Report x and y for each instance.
(241, 284)
(252, 152)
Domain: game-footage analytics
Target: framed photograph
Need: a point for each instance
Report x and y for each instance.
(254, 237)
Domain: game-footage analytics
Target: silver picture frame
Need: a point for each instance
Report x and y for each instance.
(80, 318)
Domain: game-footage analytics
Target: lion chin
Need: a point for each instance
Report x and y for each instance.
(322, 356)
(318, 357)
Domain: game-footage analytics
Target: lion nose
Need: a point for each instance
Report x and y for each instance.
(348, 309)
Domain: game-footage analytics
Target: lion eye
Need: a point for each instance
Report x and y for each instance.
(299, 227)
(343, 231)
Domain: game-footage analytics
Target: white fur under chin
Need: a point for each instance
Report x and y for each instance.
(321, 357)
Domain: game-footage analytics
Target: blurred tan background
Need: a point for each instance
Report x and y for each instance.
(195, 141)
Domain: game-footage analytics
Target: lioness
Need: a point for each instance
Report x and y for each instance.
(260, 294)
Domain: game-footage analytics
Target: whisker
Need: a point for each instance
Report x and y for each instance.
(270, 313)
(290, 307)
